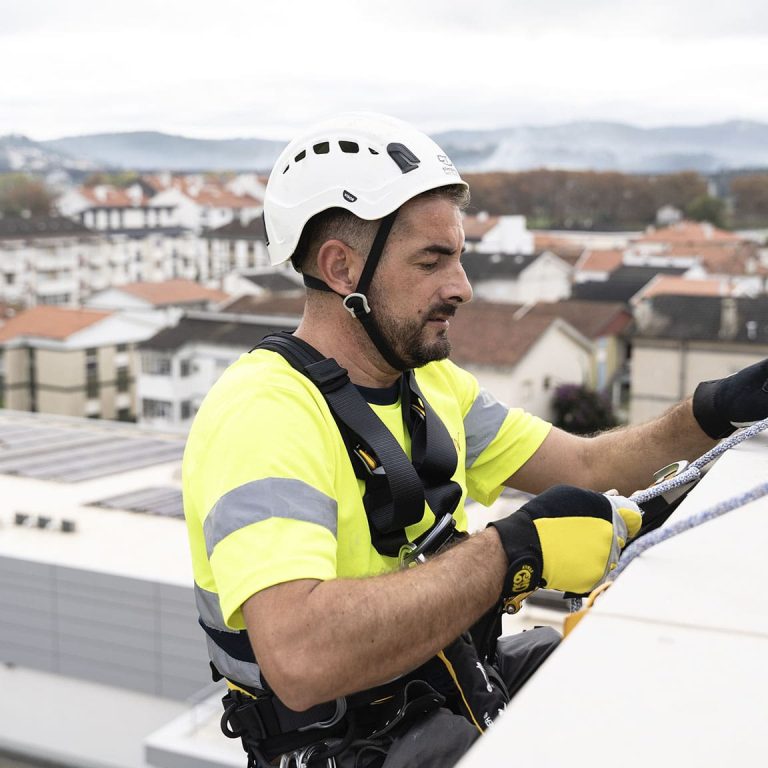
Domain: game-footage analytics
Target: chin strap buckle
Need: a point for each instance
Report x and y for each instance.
(356, 304)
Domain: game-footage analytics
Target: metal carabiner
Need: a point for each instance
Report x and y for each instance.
(305, 754)
(289, 759)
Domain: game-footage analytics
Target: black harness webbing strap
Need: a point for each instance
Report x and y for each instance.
(432, 450)
(396, 489)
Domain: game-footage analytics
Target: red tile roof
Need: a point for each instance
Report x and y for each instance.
(592, 319)
(476, 227)
(485, 333)
(50, 322)
(691, 232)
(104, 196)
(567, 249)
(600, 260)
(173, 292)
(204, 192)
(675, 285)
(270, 305)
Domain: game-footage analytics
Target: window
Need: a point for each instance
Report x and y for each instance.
(185, 367)
(121, 348)
(156, 409)
(186, 409)
(32, 375)
(156, 364)
(123, 379)
(124, 414)
(91, 373)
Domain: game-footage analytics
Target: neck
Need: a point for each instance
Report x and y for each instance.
(335, 333)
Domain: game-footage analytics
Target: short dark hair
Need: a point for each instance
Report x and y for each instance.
(341, 224)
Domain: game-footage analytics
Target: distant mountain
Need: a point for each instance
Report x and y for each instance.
(599, 146)
(150, 150)
(18, 153)
(611, 147)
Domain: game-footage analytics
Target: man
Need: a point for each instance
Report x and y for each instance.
(352, 623)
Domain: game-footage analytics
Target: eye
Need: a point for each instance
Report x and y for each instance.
(428, 266)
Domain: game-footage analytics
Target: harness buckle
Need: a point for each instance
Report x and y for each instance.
(362, 307)
(429, 543)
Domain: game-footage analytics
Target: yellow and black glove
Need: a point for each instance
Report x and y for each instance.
(566, 538)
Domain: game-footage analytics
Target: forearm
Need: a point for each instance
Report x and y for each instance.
(626, 458)
(351, 634)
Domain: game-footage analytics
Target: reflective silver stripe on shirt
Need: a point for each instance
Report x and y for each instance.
(209, 608)
(482, 423)
(245, 672)
(262, 499)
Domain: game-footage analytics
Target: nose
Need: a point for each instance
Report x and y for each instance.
(458, 289)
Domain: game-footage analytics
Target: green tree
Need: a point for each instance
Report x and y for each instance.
(750, 200)
(707, 208)
(22, 195)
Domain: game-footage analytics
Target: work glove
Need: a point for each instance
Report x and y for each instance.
(721, 406)
(566, 538)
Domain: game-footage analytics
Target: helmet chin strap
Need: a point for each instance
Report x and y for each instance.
(357, 303)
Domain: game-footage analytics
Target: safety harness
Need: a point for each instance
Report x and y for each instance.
(396, 489)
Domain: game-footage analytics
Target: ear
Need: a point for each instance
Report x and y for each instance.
(338, 266)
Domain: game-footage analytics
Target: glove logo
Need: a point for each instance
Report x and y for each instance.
(521, 581)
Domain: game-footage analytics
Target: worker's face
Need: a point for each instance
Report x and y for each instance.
(420, 281)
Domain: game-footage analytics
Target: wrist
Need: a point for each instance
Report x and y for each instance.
(522, 549)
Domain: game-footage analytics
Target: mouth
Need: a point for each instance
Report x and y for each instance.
(441, 317)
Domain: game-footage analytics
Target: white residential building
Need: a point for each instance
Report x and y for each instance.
(518, 278)
(492, 234)
(234, 248)
(73, 362)
(180, 364)
(201, 203)
(113, 209)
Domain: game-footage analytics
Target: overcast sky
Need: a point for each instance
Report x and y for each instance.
(228, 68)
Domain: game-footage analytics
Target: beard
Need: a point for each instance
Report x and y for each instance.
(408, 339)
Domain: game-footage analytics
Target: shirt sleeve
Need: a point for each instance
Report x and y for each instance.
(267, 463)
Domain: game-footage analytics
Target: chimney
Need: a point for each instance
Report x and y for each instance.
(729, 318)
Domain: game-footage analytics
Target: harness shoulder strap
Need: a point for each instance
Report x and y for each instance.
(394, 488)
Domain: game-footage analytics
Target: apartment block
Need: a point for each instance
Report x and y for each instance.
(72, 362)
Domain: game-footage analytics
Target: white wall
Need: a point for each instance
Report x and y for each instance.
(556, 358)
(663, 373)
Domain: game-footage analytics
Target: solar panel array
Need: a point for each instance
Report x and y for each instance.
(72, 453)
(162, 500)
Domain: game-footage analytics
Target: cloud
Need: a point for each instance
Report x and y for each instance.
(249, 69)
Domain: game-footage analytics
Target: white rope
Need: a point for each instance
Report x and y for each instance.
(662, 534)
(693, 472)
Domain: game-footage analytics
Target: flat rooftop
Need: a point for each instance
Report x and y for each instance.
(92, 474)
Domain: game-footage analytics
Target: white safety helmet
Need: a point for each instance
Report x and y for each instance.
(366, 163)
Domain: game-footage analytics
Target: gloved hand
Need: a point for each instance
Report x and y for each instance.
(723, 405)
(566, 538)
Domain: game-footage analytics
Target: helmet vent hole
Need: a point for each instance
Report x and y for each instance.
(323, 148)
(372, 151)
(300, 156)
(285, 170)
(349, 146)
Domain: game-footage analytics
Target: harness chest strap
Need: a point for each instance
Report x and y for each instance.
(396, 486)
